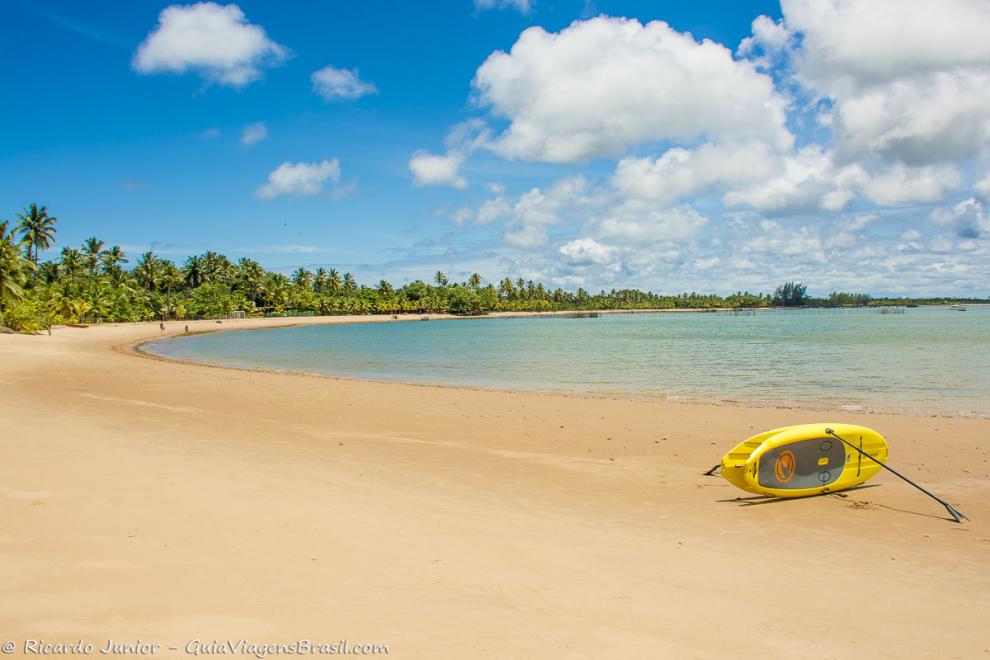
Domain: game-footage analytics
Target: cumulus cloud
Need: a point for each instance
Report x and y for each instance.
(967, 219)
(522, 6)
(213, 40)
(685, 172)
(798, 182)
(254, 133)
(900, 184)
(636, 222)
(883, 62)
(433, 170)
(300, 179)
(537, 209)
(340, 84)
(601, 85)
(768, 35)
(856, 43)
(982, 187)
(587, 251)
(886, 166)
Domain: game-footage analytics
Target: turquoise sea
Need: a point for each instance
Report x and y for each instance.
(926, 360)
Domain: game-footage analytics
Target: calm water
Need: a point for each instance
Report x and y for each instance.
(925, 360)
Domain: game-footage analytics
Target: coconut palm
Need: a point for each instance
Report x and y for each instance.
(13, 267)
(440, 278)
(148, 271)
(92, 251)
(252, 277)
(192, 271)
(350, 284)
(216, 267)
(37, 230)
(112, 259)
(385, 288)
(321, 282)
(474, 281)
(506, 288)
(335, 283)
(275, 290)
(302, 277)
(71, 262)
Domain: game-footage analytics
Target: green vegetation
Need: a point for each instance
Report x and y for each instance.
(92, 284)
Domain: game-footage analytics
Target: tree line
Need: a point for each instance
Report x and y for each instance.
(98, 282)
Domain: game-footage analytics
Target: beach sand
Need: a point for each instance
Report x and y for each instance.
(167, 502)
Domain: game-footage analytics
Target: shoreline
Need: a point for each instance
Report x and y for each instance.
(168, 501)
(707, 400)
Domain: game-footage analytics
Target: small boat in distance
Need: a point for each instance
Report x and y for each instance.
(958, 308)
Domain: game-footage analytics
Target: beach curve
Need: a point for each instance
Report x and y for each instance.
(456, 522)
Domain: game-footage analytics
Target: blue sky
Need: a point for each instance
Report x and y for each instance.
(598, 150)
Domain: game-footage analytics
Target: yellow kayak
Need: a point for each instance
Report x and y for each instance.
(796, 461)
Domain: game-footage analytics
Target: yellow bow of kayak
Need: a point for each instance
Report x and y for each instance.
(796, 461)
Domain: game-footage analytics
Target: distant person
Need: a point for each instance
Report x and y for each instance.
(187, 329)
(161, 325)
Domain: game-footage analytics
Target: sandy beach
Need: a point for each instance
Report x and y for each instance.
(170, 502)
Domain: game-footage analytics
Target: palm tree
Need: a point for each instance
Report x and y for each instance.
(113, 258)
(349, 283)
(92, 250)
(37, 229)
(216, 267)
(147, 271)
(506, 288)
(13, 266)
(474, 281)
(71, 261)
(192, 271)
(440, 278)
(335, 282)
(303, 277)
(385, 288)
(252, 276)
(276, 290)
(322, 280)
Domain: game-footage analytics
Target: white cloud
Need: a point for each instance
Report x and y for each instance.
(982, 187)
(683, 172)
(601, 85)
(433, 170)
(856, 43)
(492, 209)
(587, 251)
(883, 62)
(900, 184)
(300, 179)
(538, 208)
(522, 6)
(968, 219)
(335, 84)
(769, 35)
(254, 133)
(216, 41)
(810, 179)
(462, 139)
(800, 182)
(462, 215)
(636, 222)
